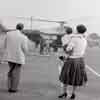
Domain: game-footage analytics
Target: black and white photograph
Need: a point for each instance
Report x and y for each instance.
(50, 50)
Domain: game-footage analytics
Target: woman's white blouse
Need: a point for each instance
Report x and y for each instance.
(78, 43)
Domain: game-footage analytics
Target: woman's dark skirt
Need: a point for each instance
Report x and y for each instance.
(73, 72)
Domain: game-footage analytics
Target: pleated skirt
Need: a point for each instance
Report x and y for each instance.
(73, 72)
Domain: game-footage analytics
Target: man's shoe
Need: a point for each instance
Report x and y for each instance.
(72, 96)
(64, 95)
(12, 91)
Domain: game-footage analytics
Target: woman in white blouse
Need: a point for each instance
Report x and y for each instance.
(73, 72)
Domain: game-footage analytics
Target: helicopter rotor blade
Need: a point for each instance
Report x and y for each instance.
(42, 20)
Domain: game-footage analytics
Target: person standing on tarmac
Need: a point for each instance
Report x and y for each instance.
(73, 72)
(16, 48)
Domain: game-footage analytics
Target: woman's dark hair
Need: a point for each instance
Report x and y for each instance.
(19, 26)
(81, 29)
(68, 30)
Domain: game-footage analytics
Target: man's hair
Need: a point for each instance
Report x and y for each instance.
(19, 26)
(68, 30)
(81, 29)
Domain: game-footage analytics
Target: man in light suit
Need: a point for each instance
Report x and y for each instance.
(16, 47)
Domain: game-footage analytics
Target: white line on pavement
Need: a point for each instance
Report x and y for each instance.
(93, 71)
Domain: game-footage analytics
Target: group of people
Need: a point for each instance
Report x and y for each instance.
(73, 69)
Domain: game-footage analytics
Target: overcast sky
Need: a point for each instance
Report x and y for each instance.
(51, 9)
